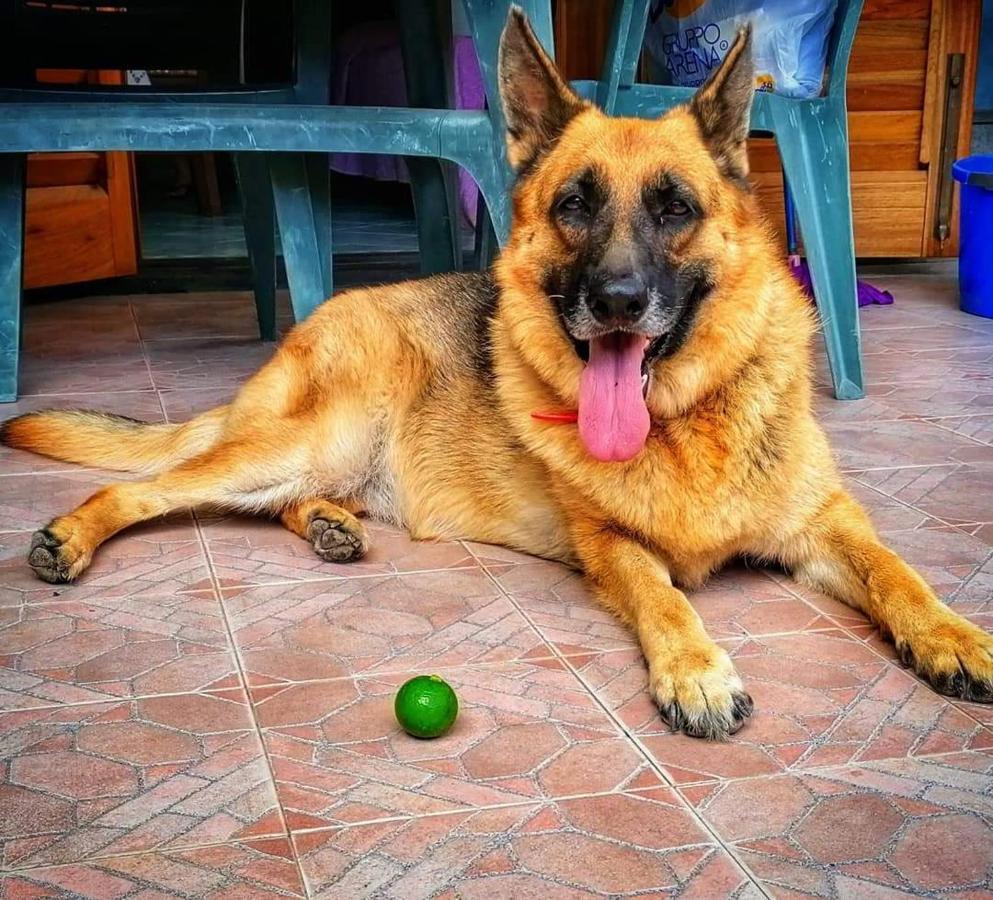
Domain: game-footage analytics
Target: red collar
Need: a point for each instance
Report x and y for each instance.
(565, 416)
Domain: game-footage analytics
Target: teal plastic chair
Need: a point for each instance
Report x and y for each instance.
(812, 136)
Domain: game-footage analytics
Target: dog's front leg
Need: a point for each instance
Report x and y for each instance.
(691, 678)
(839, 553)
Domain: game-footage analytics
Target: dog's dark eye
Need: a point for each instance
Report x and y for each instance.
(676, 209)
(574, 204)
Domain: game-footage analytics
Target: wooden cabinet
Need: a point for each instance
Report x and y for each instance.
(897, 112)
(79, 211)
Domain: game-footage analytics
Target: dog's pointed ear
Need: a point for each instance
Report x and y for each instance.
(723, 104)
(537, 101)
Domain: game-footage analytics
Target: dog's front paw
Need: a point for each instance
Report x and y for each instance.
(954, 656)
(699, 693)
(55, 556)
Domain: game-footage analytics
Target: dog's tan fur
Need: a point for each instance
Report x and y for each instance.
(413, 403)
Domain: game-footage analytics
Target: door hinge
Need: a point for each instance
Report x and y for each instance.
(954, 73)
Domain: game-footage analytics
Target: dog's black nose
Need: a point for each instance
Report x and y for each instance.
(619, 300)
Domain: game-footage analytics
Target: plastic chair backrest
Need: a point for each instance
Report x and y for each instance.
(486, 20)
(846, 22)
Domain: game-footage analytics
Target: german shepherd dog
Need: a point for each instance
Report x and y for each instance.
(639, 289)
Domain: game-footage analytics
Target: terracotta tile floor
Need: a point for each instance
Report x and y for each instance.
(208, 712)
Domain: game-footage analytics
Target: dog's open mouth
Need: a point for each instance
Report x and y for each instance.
(613, 415)
(655, 348)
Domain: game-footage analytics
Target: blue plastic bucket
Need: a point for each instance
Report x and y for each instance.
(975, 174)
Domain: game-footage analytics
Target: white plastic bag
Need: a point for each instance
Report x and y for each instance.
(688, 38)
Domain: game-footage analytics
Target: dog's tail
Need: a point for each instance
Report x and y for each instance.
(112, 442)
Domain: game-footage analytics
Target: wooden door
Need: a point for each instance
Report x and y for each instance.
(896, 118)
(80, 222)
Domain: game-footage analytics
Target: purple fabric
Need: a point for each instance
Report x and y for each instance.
(867, 293)
(469, 94)
(368, 71)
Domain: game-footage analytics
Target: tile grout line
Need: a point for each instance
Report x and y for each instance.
(881, 327)
(556, 652)
(937, 420)
(70, 468)
(958, 526)
(632, 738)
(338, 578)
(163, 850)
(965, 526)
(147, 390)
(898, 416)
(148, 362)
(931, 420)
(468, 811)
(165, 415)
(851, 470)
(905, 504)
(966, 380)
(819, 770)
(887, 351)
(243, 679)
(228, 336)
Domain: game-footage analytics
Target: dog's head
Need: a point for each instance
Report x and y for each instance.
(622, 229)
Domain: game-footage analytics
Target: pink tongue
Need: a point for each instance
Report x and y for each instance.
(613, 418)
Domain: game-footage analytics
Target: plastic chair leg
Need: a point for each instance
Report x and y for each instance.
(486, 20)
(495, 182)
(815, 158)
(426, 41)
(485, 245)
(12, 228)
(432, 186)
(260, 238)
(627, 34)
(318, 167)
(303, 210)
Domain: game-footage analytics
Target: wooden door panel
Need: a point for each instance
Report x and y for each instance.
(881, 205)
(122, 211)
(906, 33)
(896, 9)
(56, 169)
(871, 92)
(79, 210)
(67, 238)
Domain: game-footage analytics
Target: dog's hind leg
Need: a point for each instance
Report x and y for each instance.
(244, 474)
(839, 553)
(335, 533)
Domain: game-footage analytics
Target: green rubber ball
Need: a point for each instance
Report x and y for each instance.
(426, 706)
